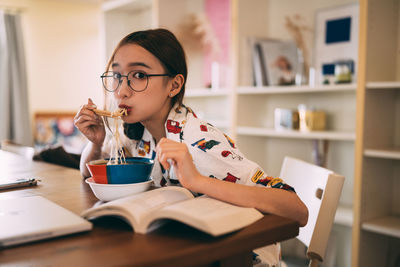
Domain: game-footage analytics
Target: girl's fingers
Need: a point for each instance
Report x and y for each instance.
(91, 103)
(169, 158)
(85, 111)
(170, 152)
(82, 125)
(87, 124)
(85, 118)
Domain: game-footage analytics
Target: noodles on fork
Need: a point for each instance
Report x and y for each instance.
(117, 155)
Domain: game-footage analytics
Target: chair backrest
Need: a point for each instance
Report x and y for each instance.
(320, 190)
(25, 151)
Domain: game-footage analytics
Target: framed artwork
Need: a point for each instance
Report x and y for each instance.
(275, 62)
(57, 129)
(336, 39)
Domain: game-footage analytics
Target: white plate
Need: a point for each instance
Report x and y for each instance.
(108, 192)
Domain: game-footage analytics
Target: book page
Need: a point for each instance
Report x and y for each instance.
(209, 215)
(137, 206)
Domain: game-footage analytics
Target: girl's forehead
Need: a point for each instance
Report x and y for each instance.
(132, 53)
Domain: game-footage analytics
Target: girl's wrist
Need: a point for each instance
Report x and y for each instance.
(199, 183)
(96, 149)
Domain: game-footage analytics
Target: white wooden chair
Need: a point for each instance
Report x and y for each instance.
(320, 190)
(25, 151)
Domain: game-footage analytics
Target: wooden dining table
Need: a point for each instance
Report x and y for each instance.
(112, 242)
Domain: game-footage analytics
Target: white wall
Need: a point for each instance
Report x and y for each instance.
(63, 53)
(119, 23)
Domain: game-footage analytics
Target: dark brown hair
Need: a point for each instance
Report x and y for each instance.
(163, 45)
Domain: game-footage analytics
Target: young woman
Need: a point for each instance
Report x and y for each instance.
(147, 74)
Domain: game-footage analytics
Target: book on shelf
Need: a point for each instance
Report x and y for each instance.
(149, 210)
(259, 71)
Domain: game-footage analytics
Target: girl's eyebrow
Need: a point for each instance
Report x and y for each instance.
(133, 64)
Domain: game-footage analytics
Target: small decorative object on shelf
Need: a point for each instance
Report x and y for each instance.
(328, 72)
(320, 152)
(298, 28)
(311, 119)
(344, 70)
(286, 119)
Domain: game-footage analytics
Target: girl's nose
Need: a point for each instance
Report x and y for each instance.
(123, 90)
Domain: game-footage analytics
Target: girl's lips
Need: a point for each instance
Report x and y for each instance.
(128, 108)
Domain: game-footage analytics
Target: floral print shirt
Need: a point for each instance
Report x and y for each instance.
(214, 154)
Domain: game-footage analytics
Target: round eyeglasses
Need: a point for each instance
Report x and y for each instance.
(136, 80)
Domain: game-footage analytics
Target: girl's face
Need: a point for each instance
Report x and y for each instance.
(147, 104)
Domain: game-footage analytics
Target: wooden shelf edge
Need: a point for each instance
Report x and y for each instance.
(124, 5)
(383, 85)
(388, 153)
(249, 90)
(388, 225)
(191, 93)
(344, 216)
(323, 135)
(114, 4)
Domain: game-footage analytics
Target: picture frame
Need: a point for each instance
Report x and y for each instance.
(336, 40)
(57, 129)
(275, 62)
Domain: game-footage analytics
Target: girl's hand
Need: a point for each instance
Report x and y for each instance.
(169, 151)
(90, 124)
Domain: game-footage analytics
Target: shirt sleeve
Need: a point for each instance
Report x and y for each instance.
(215, 155)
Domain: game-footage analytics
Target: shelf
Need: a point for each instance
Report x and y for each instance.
(323, 135)
(390, 153)
(295, 89)
(125, 5)
(389, 225)
(383, 85)
(344, 216)
(205, 92)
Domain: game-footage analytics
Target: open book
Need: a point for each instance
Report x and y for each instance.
(148, 210)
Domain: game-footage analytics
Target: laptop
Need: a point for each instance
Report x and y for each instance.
(34, 218)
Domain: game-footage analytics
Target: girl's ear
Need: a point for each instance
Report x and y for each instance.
(177, 83)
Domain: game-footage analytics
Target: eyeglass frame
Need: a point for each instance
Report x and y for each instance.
(126, 76)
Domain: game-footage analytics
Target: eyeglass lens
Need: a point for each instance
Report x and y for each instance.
(137, 81)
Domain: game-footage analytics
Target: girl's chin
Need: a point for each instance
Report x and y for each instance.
(126, 119)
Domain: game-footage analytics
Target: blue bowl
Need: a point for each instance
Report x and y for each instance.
(136, 170)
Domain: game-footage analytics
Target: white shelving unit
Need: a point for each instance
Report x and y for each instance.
(127, 4)
(205, 92)
(390, 153)
(320, 135)
(214, 106)
(383, 85)
(376, 230)
(389, 225)
(295, 89)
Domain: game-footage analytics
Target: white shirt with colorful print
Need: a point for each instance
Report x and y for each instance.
(214, 154)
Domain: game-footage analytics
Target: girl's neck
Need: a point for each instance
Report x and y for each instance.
(156, 124)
